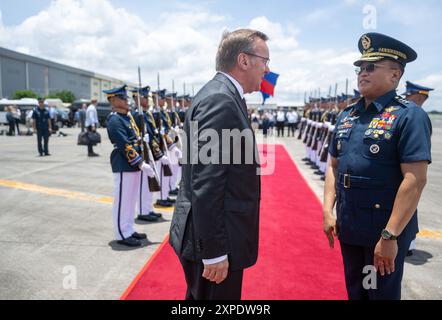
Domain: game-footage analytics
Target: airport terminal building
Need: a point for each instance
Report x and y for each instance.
(20, 71)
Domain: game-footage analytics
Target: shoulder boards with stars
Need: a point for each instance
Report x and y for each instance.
(402, 101)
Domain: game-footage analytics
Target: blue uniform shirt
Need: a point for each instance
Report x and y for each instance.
(126, 156)
(370, 146)
(41, 118)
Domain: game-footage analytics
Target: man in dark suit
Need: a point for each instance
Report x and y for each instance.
(215, 225)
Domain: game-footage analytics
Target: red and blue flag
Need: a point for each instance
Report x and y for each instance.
(268, 85)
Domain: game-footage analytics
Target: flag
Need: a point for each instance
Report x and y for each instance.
(268, 85)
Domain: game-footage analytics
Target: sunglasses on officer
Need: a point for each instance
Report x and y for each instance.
(371, 67)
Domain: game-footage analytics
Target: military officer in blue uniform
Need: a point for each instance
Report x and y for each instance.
(145, 200)
(127, 164)
(380, 152)
(42, 126)
(416, 93)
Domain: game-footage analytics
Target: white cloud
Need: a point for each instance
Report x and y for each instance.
(95, 35)
(303, 70)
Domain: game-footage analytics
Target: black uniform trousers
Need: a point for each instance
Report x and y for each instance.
(43, 136)
(90, 146)
(356, 258)
(280, 127)
(292, 129)
(199, 288)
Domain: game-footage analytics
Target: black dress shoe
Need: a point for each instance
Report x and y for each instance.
(173, 192)
(164, 203)
(323, 178)
(314, 167)
(306, 159)
(171, 200)
(157, 215)
(93, 155)
(409, 253)
(47, 154)
(318, 173)
(130, 242)
(148, 218)
(139, 236)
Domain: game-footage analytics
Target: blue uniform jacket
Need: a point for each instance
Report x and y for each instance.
(370, 146)
(126, 156)
(41, 118)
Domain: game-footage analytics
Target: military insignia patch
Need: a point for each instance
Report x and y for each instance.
(366, 42)
(374, 149)
(388, 136)
(391, 109)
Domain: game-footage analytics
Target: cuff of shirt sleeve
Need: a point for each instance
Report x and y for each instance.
(416, 158)
(215, 260)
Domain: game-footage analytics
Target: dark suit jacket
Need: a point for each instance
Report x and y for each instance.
(217, 209)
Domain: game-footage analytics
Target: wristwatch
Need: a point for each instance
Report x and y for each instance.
(387, 235)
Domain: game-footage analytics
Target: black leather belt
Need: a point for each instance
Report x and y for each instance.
(348, 181)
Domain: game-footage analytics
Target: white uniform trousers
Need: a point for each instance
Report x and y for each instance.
(145, 198)
(164, 182)
(175, 178)
(126, 191)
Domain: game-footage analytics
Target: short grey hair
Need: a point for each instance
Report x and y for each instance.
(233, 43)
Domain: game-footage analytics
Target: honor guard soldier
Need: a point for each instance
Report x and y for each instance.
(379, 157)
(127, 164)
(175, 152)
(42, 126)
(145, 199)
(416, 93)
(164, 168)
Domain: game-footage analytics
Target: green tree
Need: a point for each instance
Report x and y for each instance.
(65, 95)
(19, 94)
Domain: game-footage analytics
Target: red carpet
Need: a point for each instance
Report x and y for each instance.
(294, 261)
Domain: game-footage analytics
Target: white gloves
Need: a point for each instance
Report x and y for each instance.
(178, 153)
(162, 131)
(147, 169)
(146, 138)
(165, 161)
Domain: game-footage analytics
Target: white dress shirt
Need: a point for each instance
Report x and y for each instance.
(292, 117)
(91, 116)
(280, 116)
(241, 94)
(235, 83)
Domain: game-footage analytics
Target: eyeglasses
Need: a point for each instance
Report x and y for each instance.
(371, 67)
(266, 60)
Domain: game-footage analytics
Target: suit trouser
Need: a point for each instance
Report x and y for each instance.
(292, 128)
(280, 127)
(356, 258)
(199, 288)
(126, 191)
(90, 146)
(145, 199)
(45, 137)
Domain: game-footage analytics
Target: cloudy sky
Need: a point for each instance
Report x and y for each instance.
(313, 43)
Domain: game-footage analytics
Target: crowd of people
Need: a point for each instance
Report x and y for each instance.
(268, 120)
